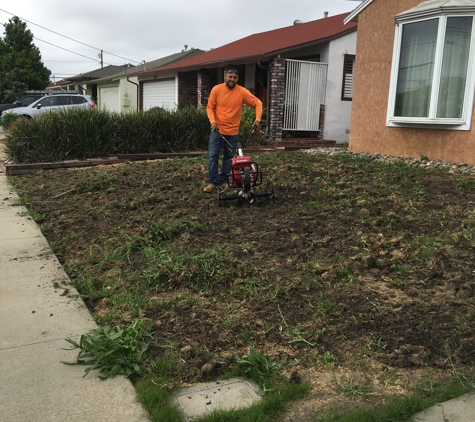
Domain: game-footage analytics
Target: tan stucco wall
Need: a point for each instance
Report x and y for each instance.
(368, 130)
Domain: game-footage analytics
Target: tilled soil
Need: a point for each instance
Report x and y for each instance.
(357, 267)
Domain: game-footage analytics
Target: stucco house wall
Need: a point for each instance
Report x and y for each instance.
(126, 93)
(337, 112)
(368, 130)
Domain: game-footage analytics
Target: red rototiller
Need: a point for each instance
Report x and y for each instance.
(245, 177)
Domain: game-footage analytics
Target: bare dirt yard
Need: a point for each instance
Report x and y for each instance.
(359, 277)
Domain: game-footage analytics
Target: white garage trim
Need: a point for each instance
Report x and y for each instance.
(160, 93)
(109, 98)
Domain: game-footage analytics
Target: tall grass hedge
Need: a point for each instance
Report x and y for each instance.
(82, 134)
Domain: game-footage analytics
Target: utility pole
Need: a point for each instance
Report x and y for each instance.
(100, 56)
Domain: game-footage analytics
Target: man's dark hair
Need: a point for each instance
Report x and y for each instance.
(231, 69)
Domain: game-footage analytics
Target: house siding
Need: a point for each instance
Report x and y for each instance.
(369, 133)
(338, 112)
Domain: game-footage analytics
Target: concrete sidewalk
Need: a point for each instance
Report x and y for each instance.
(35, 320)
(460, 409)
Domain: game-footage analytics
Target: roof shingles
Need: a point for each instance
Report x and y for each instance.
(268, 43)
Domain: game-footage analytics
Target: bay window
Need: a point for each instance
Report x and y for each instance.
(432, 78)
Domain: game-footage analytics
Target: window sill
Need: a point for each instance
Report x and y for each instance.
(438, 125)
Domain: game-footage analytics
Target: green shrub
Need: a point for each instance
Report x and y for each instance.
(7, 120)
(83, 133)
(245, 128)
(62, 135)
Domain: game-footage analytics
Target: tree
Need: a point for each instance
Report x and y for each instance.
(21, 68)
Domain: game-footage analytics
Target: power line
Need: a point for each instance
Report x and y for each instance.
(69, 51)
(65, 49)
(72, 39)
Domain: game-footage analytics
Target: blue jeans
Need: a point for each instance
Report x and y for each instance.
(215, 145)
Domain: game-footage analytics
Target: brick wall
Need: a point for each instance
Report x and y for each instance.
(194, 87)
(207, 78)
(188, 87)
(322, 121)
(275, 110)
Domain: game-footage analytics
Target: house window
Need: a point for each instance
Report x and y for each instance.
(432, 80)
(348, 71)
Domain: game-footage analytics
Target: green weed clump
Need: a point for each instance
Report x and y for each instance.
(258, 367)
(114, 350)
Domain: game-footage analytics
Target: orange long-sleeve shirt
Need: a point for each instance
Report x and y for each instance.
(225, 107)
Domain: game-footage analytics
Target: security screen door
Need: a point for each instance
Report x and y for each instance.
(304, 93)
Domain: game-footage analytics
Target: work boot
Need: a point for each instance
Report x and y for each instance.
(209, 189)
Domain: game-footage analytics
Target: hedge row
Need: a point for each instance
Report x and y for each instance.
(82, 134)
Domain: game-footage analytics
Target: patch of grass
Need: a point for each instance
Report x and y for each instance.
(396, 409)
(155, 394)
(354, 389)
(326, 358)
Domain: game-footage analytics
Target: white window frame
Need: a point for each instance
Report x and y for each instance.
(432, 122)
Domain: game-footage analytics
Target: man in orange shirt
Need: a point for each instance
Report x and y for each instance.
(224, 113)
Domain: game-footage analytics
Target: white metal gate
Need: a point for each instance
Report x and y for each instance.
(305, 89)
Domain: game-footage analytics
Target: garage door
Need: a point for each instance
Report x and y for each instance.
(109, 98)
(159, 94)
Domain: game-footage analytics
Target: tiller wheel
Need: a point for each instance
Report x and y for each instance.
(245, 177)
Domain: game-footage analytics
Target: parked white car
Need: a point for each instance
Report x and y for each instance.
(52, 102)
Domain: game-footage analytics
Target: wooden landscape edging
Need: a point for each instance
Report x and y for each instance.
(11, 169)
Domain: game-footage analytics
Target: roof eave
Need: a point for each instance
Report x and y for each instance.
(275, 53)
(246, 59)
(196, 67)
(353, 16)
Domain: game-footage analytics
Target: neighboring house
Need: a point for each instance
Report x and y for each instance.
(303, 73)
(115, 92)
(119, 91)
(415, 79)
(84, 81)
(62, 85)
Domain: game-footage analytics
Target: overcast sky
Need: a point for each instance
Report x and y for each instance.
(150, 29)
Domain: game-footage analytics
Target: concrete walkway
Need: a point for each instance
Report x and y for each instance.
(35, 319)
